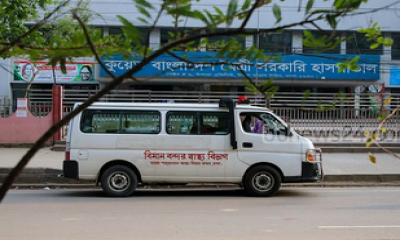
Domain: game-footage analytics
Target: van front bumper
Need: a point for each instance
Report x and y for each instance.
(70, 169)
(310, 171)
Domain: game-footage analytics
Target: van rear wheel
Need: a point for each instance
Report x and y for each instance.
(119, 181)
(262, 181)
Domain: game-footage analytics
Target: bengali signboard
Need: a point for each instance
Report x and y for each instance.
(288, 67)
(76, 72)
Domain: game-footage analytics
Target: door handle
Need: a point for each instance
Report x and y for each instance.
(247, 145)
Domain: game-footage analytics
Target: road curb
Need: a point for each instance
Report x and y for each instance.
(47, 177)
(23, 145)
(51, 186)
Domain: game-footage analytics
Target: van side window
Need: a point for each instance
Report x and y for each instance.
(198, 123)
(261, 122)
(120, 121)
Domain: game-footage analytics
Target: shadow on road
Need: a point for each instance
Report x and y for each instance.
(223, 193)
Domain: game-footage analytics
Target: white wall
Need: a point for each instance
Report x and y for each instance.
(5, 77)
(388, 18)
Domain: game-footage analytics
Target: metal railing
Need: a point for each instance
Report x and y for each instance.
(280, 99)
(7, 108)
(351, 115)
(340, 122)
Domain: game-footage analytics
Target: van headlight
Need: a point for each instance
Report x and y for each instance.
(314, 155)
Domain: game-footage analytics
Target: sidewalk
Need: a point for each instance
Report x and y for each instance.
(347, 168)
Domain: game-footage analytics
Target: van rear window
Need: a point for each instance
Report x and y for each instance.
(120, 121)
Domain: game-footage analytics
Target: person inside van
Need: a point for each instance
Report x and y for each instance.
(205, 129)
(87, 125)
(246, 123)
(259, 127)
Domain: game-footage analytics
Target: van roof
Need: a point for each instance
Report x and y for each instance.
(171, 105)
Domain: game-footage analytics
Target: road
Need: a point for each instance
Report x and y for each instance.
(294, 213)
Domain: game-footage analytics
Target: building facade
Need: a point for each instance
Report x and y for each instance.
(299, 70)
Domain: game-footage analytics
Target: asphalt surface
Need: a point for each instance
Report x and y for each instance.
(225, 214)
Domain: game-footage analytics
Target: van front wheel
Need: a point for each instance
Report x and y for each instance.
(262, 181)
(119, 181)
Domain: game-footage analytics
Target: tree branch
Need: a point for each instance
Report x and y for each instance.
(116, 81)
(152, 28)
(91, 45)
(250, 13)
(35, 27)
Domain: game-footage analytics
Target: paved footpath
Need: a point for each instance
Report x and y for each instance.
(340, 169)
(333, 163)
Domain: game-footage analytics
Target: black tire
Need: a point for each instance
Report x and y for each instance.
(262, 181)
(119, 181)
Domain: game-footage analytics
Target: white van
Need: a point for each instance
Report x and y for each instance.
(121, 145)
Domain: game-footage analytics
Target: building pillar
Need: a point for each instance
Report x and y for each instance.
(343, 44)
(249, 41)
(106, 31)
(6, 78)
(297, 42)
(387, 51)
(57, 110)
(155, 38)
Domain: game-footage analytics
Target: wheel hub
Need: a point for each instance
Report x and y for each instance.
(119, 181)
(263, 182)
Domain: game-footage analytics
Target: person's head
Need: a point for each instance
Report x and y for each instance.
(86, 73)
(27, 71)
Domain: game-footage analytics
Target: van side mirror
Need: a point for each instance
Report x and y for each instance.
(288, 132)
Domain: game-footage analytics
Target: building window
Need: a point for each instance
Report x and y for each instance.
(144, 32)
(214, 43)
(198, 123)
(167, 34)
(120, 122)
(396, 46)
(360, 45)
(274, 42)
(333, 49)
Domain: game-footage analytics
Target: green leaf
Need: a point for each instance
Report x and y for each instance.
(232, 8)
(368, 142)
(63, 66)
(130, 30)
(246, 4)
(331, 20)
(366, 133)
(374, 136)
(199, 15)
(267, 83)
(308, 35)
(143, 11)
(218, 11)
(143, 20)
(387, 101)
(250, 87)
(374, 45)
(372, 158)
(144, 3)
(310, 4)
(353, 67)
(355, 60)
(277, 13)
(338, 4)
